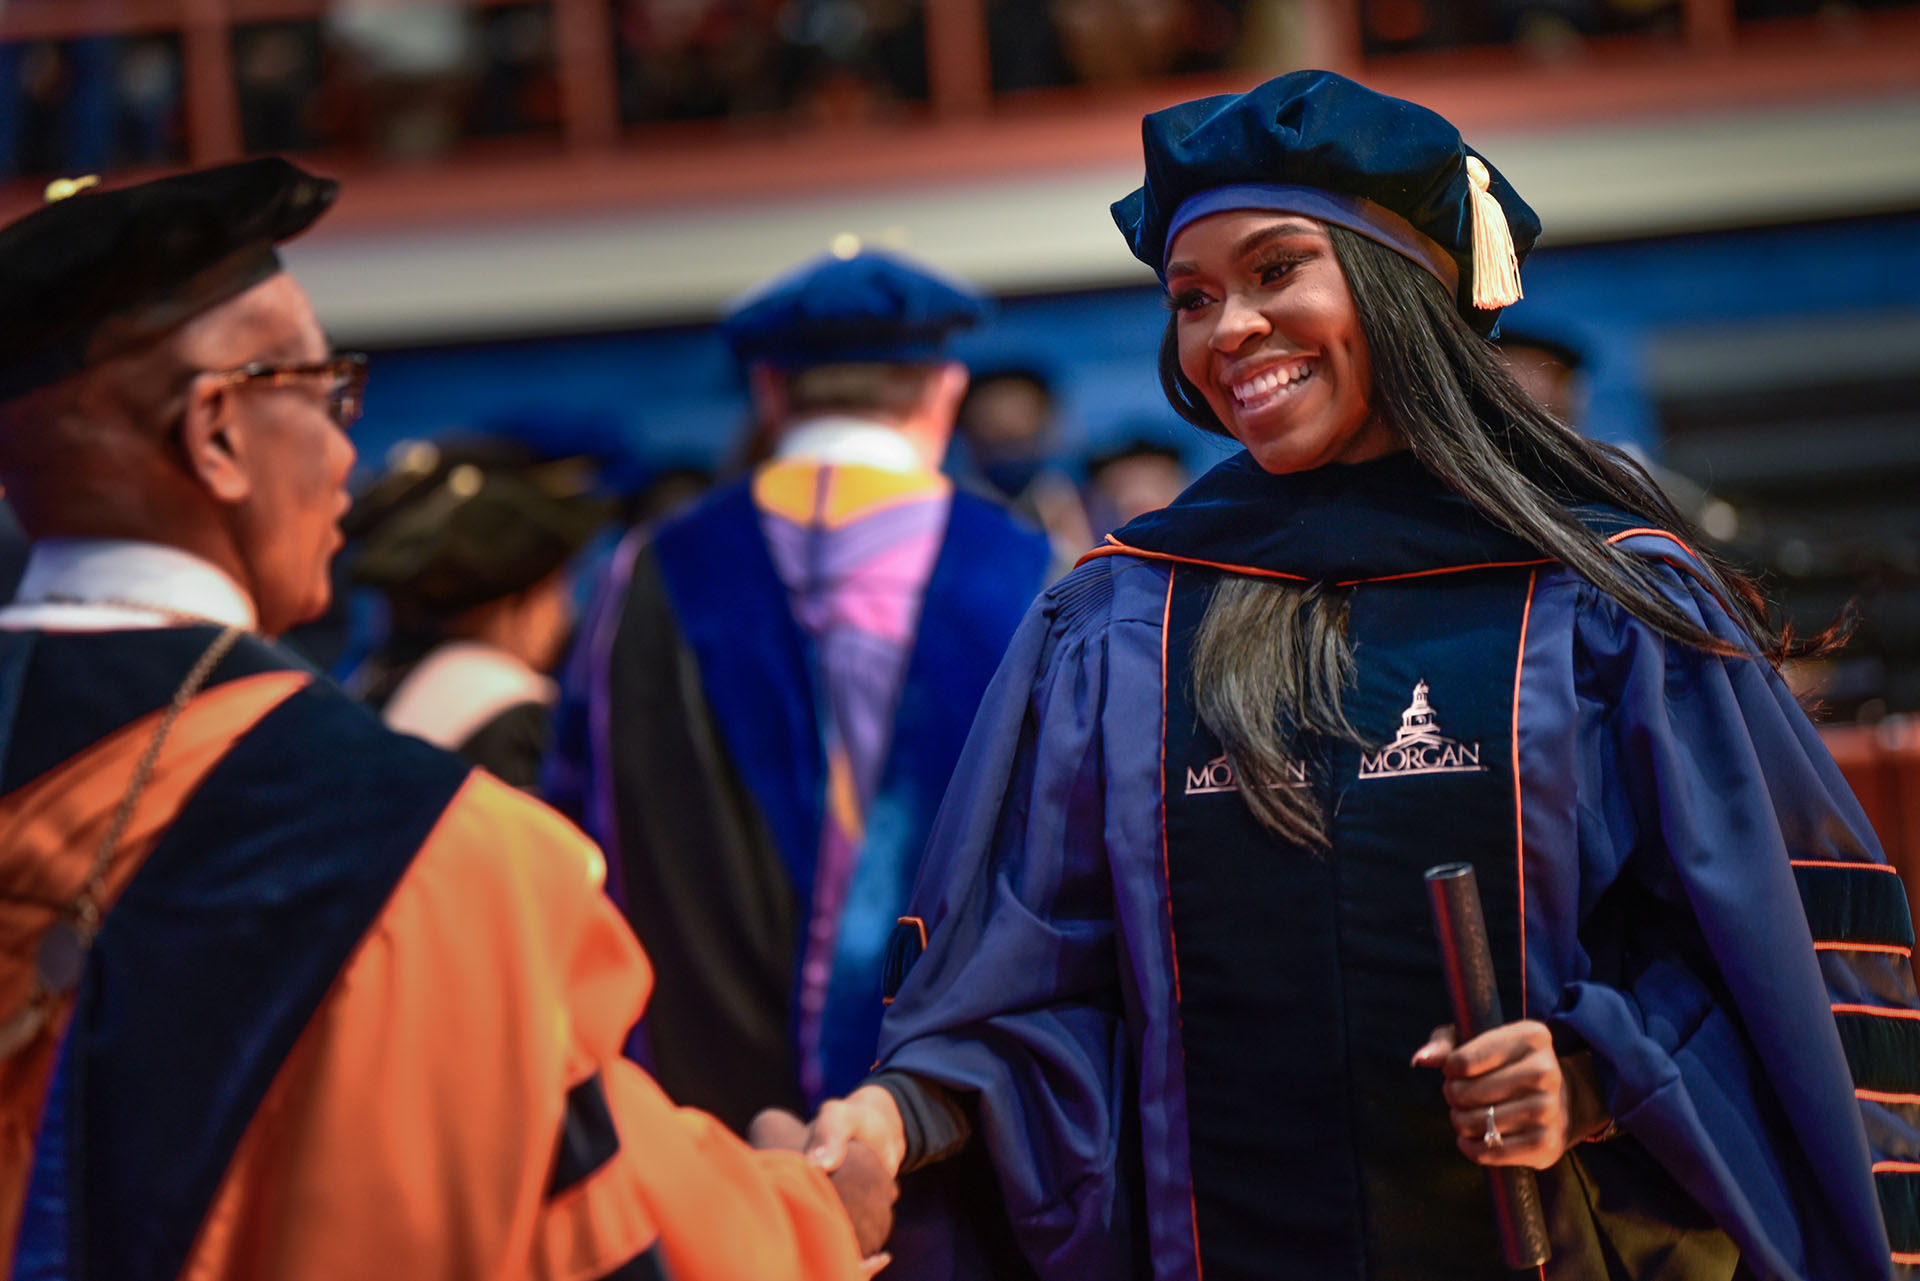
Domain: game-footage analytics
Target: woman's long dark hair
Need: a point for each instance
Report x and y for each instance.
(1446, 392)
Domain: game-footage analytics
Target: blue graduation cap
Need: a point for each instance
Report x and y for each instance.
(868, 307)
(1317, 144)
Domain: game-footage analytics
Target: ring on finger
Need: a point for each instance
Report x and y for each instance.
(1492, 1138)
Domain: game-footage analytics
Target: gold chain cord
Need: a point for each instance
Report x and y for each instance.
(85, 909)
(79, 922)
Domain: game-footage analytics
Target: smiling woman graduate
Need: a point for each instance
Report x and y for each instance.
(1170, 985)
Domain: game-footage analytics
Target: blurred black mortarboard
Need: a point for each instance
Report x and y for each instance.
(95, 272)
(1032, 375)
(1317, 144)
(453, 525)
(1131, 447)
(869, 307)
(1567, 356)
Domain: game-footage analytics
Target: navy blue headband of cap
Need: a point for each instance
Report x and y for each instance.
(1355, 213)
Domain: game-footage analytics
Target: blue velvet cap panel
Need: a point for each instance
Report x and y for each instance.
(1318, 129)
(873, 307)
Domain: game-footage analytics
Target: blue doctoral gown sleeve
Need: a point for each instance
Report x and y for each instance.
(1016, 1003)
(1705, 801)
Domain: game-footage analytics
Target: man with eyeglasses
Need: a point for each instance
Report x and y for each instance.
(284, 994)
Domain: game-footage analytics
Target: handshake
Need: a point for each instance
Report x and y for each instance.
(860, 1142)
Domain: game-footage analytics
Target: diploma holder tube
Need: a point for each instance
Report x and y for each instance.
(1468, 962)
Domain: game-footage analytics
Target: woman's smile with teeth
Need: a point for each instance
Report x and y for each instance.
(1264, 385)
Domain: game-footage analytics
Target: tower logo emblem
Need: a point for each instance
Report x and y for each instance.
(1420, 748)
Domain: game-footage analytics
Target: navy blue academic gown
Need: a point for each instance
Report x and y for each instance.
(1184, 1045)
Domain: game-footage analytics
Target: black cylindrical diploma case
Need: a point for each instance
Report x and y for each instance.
(1468, 962)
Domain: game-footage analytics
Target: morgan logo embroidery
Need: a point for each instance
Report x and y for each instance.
(1216, 776)
(1420, 748)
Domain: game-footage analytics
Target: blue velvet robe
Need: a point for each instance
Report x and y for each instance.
(1045, 996)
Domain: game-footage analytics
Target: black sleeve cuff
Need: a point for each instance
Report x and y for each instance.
(935, 1125)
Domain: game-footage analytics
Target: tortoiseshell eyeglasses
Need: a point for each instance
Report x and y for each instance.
(343, 380)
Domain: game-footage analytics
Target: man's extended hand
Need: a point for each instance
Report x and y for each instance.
(866, 1188)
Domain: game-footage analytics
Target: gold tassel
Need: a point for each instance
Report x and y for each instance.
(1496, 269)
(67, 188)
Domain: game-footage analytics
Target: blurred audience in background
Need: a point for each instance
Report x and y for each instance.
(403, 80)
(1553, 373)
(518, 88)
(1547, 29)
(1140, 475)
(407, 80)
(849, 60)
(825, 61)
(469, 542)
(696, 59)
(104, 102)
(409, 66)
(1102, 42)
(1118, 41)
(277, 68)
(1010, 448)
(1547, 370)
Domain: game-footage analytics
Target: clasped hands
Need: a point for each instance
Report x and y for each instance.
(1539, 1104)
(862, 1172)
(1514, 1100)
